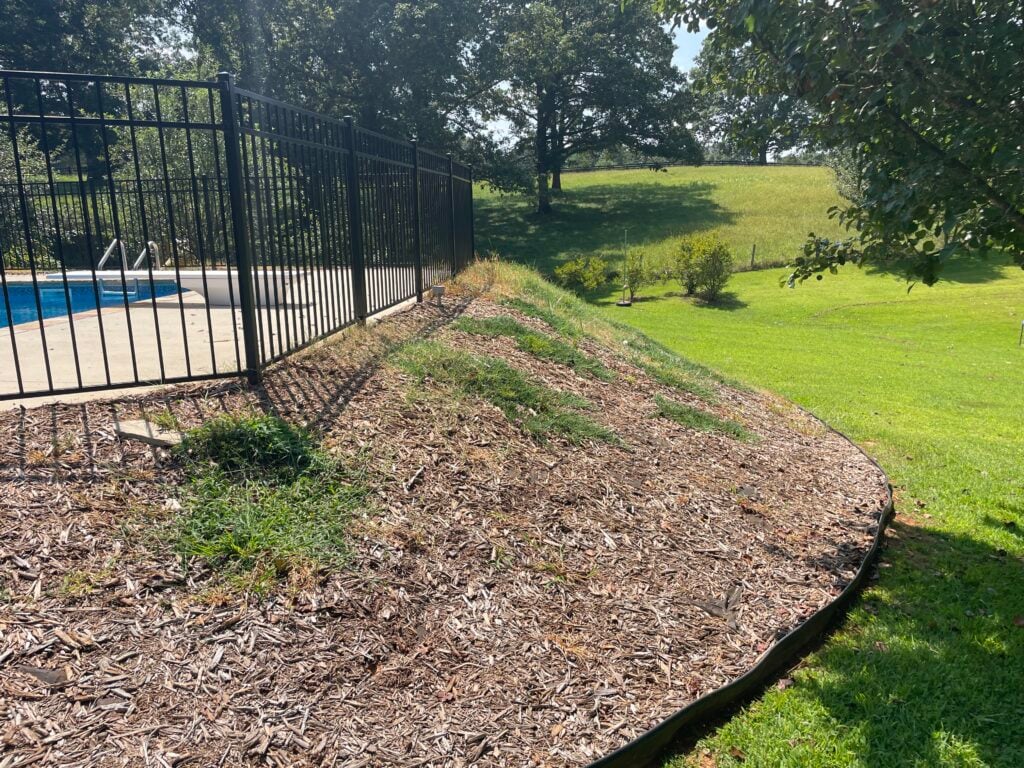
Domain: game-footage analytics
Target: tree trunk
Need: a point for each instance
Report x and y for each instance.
(540, 148)
(762, 155)
(556, 180)
(543, 192)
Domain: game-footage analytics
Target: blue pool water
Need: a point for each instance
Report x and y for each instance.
(83, 298)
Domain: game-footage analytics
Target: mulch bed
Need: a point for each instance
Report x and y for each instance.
(508, 602)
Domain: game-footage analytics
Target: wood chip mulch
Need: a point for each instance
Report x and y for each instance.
(508, 602)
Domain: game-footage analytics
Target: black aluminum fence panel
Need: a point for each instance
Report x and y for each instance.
(159, 231)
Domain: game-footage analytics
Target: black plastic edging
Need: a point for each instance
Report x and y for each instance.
(651, 745)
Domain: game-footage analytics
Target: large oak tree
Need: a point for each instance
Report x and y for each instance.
(576, 76)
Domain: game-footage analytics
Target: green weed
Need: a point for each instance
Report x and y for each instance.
(539, 410)
(538, 344)
(699, 420)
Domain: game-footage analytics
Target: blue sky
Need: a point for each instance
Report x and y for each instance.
(687, 47)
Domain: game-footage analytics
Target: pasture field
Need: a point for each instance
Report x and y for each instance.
(773, 207)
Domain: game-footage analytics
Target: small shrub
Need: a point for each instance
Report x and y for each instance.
(634, 272)
(687, 263)
(715, 270)
(582, 274)
(703, 265)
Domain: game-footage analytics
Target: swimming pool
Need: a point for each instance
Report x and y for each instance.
(83, 298)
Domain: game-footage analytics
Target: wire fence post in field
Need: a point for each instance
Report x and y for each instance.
(355, 224)
(239, 228)
(451, 210)
(418, 218)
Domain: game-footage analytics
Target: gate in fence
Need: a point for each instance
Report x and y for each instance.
(205, 231)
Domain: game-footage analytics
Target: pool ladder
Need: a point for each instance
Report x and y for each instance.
(117, 246)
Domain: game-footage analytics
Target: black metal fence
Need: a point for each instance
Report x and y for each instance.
(203, 230)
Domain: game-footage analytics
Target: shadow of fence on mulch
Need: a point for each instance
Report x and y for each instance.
(63, 442)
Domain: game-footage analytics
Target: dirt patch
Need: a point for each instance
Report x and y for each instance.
(509, 601)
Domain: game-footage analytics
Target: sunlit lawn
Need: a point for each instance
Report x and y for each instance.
(928, 669)
(773, 207)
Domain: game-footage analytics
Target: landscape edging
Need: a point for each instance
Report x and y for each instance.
(651, 745)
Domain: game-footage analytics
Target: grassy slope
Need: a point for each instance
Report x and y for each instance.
(775, 207)
(929, 668)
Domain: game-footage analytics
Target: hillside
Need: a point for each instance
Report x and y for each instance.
(774, 207)
(496, 528)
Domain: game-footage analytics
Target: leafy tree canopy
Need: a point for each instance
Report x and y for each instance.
(742, 106)
(577, 76)
(924, 94)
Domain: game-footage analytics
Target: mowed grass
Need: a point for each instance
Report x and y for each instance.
(928, 669)
(774, 207)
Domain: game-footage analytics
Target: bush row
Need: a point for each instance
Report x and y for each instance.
(702, 263)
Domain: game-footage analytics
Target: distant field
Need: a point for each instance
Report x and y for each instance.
(774, 207)
(928, 670)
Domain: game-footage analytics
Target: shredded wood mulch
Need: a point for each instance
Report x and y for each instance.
(507, 603)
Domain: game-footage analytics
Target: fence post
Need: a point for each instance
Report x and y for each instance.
(451, 207)
(239, 226)
(472, 217)
(417, 244)
(355, 224)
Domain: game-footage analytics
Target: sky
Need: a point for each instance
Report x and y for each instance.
(687, 47)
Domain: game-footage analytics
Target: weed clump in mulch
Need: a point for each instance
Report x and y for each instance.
(535, 343)
(539, 410)
(699, 420)
(261, 496)
(558, 323)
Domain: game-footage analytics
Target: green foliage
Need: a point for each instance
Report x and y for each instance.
(687, 263)
(743, 107)
(537, 409)
(251, 524)
(934, 126)
(634, 272)
(32, 164)
(261, 496)
(255, 447)
(699, 420)
(715, 269)
(538, 344)
(703, 264)
(583, 273)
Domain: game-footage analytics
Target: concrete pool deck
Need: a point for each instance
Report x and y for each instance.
(162, 330)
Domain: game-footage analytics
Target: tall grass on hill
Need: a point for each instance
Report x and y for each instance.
(774, 208)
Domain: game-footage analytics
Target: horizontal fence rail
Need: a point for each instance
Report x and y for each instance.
(160, 231)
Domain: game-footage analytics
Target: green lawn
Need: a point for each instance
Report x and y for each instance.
(774, 207)
(928, 669)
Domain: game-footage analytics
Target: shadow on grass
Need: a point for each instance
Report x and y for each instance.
(961, 270)
(594, 219)
(928, 669)
(727, 302)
